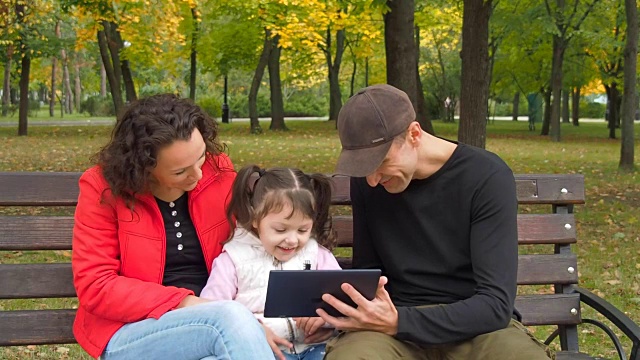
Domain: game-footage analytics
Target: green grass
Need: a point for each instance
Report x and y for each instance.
(43, 115)
(608, 232)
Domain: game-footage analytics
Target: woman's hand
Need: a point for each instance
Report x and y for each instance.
(309, 325)
(319, 336)
(191, 300)
(275, 340)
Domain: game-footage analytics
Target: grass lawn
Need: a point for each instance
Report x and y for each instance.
(608, 232)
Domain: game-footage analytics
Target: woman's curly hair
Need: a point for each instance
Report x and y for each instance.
(146, 126)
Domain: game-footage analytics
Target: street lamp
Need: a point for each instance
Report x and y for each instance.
(225, 105)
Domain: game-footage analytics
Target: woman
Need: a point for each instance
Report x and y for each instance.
(149, 222)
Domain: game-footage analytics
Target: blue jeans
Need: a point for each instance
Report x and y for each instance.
(314, 352)
(212, 331)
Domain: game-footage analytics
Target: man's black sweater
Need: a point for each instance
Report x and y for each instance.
(448, 240)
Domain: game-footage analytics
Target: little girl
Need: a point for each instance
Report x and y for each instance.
(283, 223)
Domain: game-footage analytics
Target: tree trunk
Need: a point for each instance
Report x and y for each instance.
(103, 79)
(114, 52)
(474, 92)
(255, 84)
(111, 72)
(52, 98)
(516, 106)
(77, 84)
(559, 47)
(6, 83)
(575, 105)
(24, 91)
(354, 71)
(23, 108)
(565, 106)
(118, 44)
(422, 114)
(400, 49)
(546, 117)
(335, 94)
(129, 86)
(68, 96)
(630, 101)
(613, 100)
(194, 53)
(275, 85)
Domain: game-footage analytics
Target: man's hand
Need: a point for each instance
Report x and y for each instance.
(275, 340)
(378, 314)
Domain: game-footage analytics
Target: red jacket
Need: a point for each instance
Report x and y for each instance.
(119, 256)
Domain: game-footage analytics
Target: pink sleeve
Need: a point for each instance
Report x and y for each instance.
(326, 260)
(223, 280)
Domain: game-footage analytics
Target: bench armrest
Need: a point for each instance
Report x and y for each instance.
(617, 317)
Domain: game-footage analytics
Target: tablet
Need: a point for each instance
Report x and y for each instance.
(298, 293)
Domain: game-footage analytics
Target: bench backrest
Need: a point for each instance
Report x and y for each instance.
(556, 266)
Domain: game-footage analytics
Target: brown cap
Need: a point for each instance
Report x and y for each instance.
(367, 125)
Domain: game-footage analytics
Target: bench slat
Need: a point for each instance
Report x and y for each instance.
(61, 188)
(55, 233)
(530, 189)
(532, 229)
(39, 188)
(36, 327)
(546, 229)
(55, 280)
(547, 269)
(553, 309)
(548, 188)
(36, 232)
(21, 281)
(571, 355)
(532, 269)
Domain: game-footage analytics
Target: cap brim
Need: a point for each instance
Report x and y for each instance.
(362, 162)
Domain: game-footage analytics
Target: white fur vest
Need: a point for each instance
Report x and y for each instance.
(252, 265)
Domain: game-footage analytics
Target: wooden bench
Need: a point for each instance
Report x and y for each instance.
(551, 262)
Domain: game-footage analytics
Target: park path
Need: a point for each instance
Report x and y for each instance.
(102, 122)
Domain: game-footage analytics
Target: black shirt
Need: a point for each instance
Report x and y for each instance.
(184, 265)
(449, 239)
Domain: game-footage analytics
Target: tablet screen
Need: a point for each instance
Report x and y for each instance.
(298, 293)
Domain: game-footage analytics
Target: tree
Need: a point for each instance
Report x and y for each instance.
(195, 18)
(630, 101)
(25, 68)
(438, 26)
(28, 29)
(567, 23)
(474, 91)
(402, 54)
(148, 31)
(6, 83)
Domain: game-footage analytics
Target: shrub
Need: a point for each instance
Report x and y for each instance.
(34, 107)
(97, 105)
(591, 110)
(210, 105)
(153, 89)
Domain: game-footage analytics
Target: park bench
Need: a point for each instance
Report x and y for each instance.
(547, 236)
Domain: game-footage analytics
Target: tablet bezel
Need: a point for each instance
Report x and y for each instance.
(297, 293)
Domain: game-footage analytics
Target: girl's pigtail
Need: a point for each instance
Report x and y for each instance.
(240, 209)
(322, 226)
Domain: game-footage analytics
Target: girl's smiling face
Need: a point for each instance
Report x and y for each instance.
(283, 233)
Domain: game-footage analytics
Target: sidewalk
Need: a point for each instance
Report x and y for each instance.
(103, 122)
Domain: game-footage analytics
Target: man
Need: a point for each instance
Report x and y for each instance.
(439, 219)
